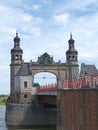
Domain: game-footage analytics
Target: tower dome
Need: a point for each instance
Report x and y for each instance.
(16, 39)
(17, 43)
(16, 51)
(71, 41)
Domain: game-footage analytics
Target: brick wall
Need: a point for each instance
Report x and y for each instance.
(77, 109)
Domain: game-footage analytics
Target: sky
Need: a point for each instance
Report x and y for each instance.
(45, 26)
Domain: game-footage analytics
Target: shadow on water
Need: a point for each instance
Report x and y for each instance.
(29, 128)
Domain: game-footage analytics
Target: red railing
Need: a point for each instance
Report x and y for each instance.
(76, 83)
(83, 82)
(45, 88)
(94, 78)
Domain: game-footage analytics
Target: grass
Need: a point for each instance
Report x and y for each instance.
(2, 102)
(3, 99)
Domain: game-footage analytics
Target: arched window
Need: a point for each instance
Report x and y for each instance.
(25, 96)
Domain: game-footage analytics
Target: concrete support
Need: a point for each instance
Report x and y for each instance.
(33, 114)
(77, 109)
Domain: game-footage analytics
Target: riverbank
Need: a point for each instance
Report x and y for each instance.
(3, 99)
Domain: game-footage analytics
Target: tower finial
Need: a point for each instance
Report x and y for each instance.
(16, 33)
(17, 39)
(71, 41)
(70, 35)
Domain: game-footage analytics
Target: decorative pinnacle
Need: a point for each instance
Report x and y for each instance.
(70, 35)
(16, 33)
(71, 41)
(16, 39)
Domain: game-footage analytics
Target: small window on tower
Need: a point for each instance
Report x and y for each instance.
(25, 84)
(16, 57)
(25, 96)
(73, 57)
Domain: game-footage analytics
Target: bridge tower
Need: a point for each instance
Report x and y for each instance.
(72, 59)
(16, 62)
(21, 77)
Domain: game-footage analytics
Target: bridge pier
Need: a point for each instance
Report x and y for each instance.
(77, 109)
(34, 114)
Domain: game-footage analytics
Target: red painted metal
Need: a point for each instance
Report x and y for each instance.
(69, 84)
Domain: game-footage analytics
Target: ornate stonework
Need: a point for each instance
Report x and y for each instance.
(45, 59)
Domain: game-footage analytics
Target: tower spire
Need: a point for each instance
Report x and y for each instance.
(70, 35)
(16, 33)
(72, 58)
(71, 54)
(16, 40)
(16, 52)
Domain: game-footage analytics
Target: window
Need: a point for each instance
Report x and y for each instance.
(25, 84)
(16, 57)
(25, 96)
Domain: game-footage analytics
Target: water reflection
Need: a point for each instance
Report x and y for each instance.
(27, 128)
(10, 128)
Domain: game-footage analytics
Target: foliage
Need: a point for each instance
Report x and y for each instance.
(3, 99)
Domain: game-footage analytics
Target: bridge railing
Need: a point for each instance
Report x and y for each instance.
(82, 82)
(49, 87)
(94, 78)
(76, 83)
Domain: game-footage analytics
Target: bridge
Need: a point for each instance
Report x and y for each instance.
(48, 93)
(41, 106)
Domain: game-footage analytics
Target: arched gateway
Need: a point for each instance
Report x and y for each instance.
(22, 101)
(68, 70)
(45, 63)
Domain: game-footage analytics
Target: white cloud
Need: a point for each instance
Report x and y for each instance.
(36, 7)
(26, 17)
(47, 1)
(62, 18)
(36, 31)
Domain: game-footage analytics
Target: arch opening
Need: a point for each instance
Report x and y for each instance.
(44, 79)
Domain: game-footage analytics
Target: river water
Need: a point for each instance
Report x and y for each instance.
(3, 123)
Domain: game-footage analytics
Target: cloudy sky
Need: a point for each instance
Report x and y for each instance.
(45, 26)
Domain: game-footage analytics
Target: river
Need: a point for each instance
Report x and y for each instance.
(3, 123)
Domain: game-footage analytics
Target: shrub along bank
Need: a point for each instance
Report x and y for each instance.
(3, 99)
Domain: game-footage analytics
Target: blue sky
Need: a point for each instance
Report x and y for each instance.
(45, 26)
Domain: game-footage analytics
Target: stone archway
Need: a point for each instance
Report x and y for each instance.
(45, 63)
(44, 79)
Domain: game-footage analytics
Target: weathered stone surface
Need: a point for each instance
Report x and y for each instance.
(78, 109)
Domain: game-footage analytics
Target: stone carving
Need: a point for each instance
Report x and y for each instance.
(45, 59)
